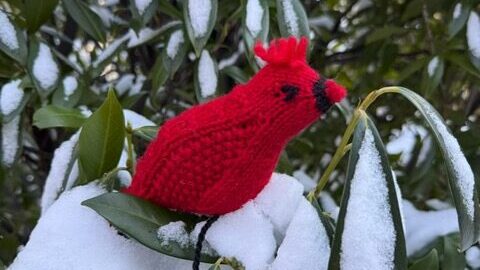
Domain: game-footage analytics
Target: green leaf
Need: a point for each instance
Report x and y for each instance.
(472, 30)
(105, 58)
(176, 50)
(292, 19)
(2, 266)
(452, 259)
(170, 9)
(366, 133)
(54, 116)
(17, 48)
(140, 220)
(88, 20)
(433, 74)
(18, 110)
(197, 38)
(37, 12)
(238, 75)
(14, 124)
(384, 33)
(459, 18)
(327, 221)
(463, 62)
(44, 87)
(142, 17)
(428, 262)
(61, 99)
(253, 35)
(459, 173)
(147, 133)
(411, 69)
(101, 140)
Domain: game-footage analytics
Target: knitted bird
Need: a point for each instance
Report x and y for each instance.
(214, 157)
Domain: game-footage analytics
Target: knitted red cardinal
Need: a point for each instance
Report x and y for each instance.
(214, 157)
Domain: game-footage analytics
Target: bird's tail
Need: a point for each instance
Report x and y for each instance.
(201, 238)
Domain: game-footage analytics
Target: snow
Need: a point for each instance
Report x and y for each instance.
(144, 35)
(368, 241)
(174, 231)
(207, 75)
(423, 227)
(305, 231)
(325, 21)
(404, 141)
(72, 236)
(462, 170)
(106, 15)
(329, 205)
(174, 43)
(137, 86)
(45, 69)
(108, 51)
(432, 66)
(254, 17)
(279, 200)
(10, 133)
(473, 257)
(239, 233)
(8, 35)
(199, 14)
(233, 58)
(305, 179)
(70, 84)
(136, 120)
(457, 10)
(142, 5)
(58, 172)
(473, 34)
(124, 83)
(11, 96)
(290, 17)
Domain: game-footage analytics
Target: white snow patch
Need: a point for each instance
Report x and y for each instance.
(124, 83)
(423, 227)
(404, 141)
(207, 75)
(368, 241)
(8, 35)
(70, 84)
(306, 244)
(305, 179)
(11, 96)
(45, 68)
(63, 233)
(144, 35)
(142, 5)
(137, 86)
(176, 40)
(106, 15)
(473, 34)
(233, 58)
(58, 172)
(329, 205)
(436, 204)
(279, 200)
(473, 257)
(325, 21)
(199, 14)
(462, 170)
(246, 235)
(432, 66)
(290, 17)
(174, 231)
(136, 120)
(10, 133)
(457, 10)
(254, 17)
(108, 51)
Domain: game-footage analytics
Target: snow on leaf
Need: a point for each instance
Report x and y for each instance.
(432, 66)
(108, 51)
(143, 36)
(8, 35)
(176, 40)
(457, 10)
(254, 17)
(462, 170)
(11, 96)
(368, 239)
(207, 75)
(199, 13)
(142, 5)
(290, 17)
(60, 171)
(10, 133)
(70, 84)
(174, 231)
(473, 34)
(45, 69)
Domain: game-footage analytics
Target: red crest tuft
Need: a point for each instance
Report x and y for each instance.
(283, 50)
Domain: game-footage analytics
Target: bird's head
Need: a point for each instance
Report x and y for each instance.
(287, 91)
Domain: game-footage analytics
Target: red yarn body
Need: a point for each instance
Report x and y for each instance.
(214, 157)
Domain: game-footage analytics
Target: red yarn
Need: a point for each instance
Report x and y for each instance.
(214, 157)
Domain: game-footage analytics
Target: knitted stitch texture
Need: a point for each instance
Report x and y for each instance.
(214, 157)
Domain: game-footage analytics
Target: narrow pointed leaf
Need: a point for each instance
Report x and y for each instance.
(43, 68)
(256, 22)
(13, 41)
(54, 116)
(142, 12)
(369, 213)
(206, 78)
(37, 12)
(101, 140)
(473, 31)
(147, 133)
(459, 18)
(140, 220)
(200, 17)
(428, 262)
(175, 51)
(88, 20)
(10, 139)
(292, 18)
(460, 175)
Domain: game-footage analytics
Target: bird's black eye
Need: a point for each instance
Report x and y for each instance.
(290, 92)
